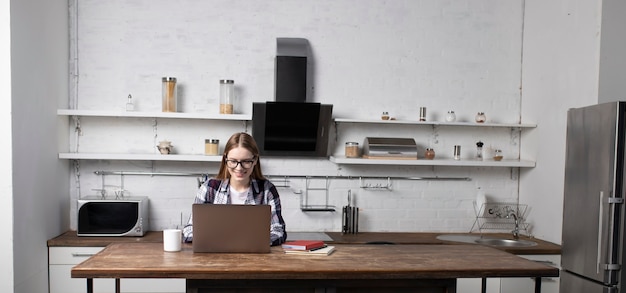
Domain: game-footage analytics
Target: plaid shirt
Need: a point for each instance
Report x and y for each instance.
(216, 191)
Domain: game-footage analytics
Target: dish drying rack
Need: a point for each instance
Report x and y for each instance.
(499, 216)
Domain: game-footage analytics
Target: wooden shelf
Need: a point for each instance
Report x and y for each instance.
(441, 162)
(168, 115)
(435, 123)
(139, 157)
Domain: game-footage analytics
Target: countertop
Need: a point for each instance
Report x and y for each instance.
(70, 238)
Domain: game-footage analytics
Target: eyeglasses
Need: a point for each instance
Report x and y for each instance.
(246, 164)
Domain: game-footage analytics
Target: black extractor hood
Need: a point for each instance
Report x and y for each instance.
(292, 125)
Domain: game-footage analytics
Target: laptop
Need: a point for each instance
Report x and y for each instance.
(230, 228)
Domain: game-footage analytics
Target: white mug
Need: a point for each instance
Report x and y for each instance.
(172, 239)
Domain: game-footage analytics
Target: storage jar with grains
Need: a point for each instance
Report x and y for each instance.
(429, 154)
(352, 149)
(169, 94)
(211, 147)
(497, 155)
(227, 96)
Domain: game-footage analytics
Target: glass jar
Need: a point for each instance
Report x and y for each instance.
(451, 116)
(497, 155)
(480, 117)
(429, 154)
(352, 149)
(211, 147)
(170, 95)
(385, 116)
(227, 96)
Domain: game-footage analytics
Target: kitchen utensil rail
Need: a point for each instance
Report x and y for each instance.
(142, 173)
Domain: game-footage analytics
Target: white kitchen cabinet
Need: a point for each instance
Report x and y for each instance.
(474, 285)
(523, 285)
(62, 259)
(514, 285)
(515, 134)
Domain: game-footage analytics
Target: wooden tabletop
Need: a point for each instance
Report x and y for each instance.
(148, 260)
(69, 238)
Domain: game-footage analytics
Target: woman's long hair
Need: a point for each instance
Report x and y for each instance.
(244, 140)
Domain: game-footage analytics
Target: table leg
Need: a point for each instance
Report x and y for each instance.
(538, 285)
(117, 286)
(483, 286)
(89, 285)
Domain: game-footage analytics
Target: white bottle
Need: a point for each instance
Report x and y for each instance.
(129, 105)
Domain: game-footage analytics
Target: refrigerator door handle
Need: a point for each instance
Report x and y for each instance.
(600, 227)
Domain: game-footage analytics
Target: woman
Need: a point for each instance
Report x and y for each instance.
(240, 181)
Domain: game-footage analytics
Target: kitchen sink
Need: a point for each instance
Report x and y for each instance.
(505, 242)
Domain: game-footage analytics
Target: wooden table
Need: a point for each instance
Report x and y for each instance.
(411, 268)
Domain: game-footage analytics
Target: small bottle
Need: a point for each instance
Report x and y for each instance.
(479, 150)
(451, 116)
(129, 105)
(497, 155)
(385, 116)
(169, 94)
(211, 147)
(429, 154)
(352, 149)
(227, 96)
(457, 152)
(480, 117)
(422, 113)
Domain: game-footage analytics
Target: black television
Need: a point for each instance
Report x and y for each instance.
(292, 128)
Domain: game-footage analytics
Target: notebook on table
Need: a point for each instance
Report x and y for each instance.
(231, 228)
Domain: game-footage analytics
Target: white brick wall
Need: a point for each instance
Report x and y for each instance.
(370, 56)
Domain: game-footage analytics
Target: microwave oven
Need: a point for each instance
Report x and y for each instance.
(99, 216)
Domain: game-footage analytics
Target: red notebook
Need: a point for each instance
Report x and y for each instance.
(303, 244)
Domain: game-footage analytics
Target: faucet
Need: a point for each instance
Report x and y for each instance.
(516, 229)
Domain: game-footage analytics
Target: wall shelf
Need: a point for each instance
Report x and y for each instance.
(440, 162)
(139, 157)
(168, 115)
(436, 123)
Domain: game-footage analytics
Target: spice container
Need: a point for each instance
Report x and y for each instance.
(211, 147)
(429, 154)
(227, 96)
(169, 94)
(480, 117)
(451, 116)
(385, 116)
(422, 113)
(129, 104)
(457, 152)
(497, 155)
(479, 150)
(352, 149)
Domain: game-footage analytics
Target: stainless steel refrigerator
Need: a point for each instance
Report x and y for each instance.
(593, 204)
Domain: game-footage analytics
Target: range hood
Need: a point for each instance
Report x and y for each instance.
(293, 72)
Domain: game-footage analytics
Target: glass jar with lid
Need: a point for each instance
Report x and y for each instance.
(429, 154)
(480, 117)
(451, 116)
(227, 96)
(352, 149)
(497, 155)
(169, 93)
